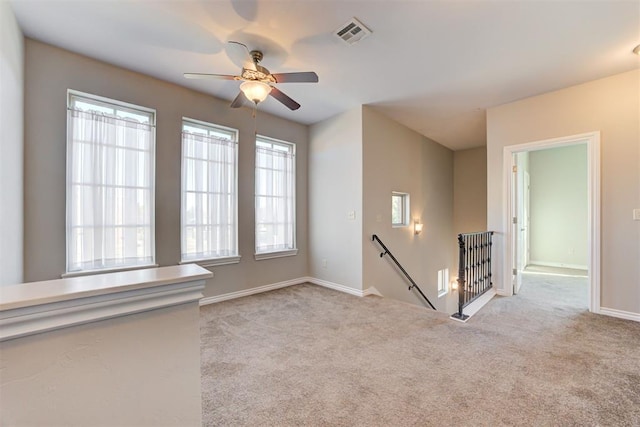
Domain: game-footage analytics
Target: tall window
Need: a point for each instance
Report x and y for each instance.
(275, 198)
(209, 193)
(110, 184)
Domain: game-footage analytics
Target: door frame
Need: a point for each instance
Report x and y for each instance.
(592, 140)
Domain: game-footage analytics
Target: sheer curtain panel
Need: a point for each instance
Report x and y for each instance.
(275, 196)
(209, 201)
(110, 200)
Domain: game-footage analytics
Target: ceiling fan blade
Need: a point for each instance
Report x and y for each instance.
(239, 101)
(209, 76)
(288, 102)
(240, 52)
(304, 77)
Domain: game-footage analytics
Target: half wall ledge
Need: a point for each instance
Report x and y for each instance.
(31, 308)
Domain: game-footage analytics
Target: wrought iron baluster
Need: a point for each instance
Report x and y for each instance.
(474, 268)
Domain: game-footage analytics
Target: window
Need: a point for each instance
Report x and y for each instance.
(110, 184)
(209, 216)
(275, 198)
(399, 209)
(443, 282)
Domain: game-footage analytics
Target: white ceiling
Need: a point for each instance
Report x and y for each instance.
(434, 66)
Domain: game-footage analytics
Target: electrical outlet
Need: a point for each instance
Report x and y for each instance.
(351, 215)
(324, 263)
(636, 214)
(379, 218)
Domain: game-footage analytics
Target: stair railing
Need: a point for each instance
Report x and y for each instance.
(474, 268)
(395, 261)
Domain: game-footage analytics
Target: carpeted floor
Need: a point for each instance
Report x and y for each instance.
(306, 355)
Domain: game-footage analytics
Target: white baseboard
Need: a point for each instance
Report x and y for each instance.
(620, 314)
(482, 300)
(503, 292)
(371, 290)
(343, 288)
(266, 288)
(252, 291)
(558, 265)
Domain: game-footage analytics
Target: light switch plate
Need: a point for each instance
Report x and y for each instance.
(636, 214)
(351, 215)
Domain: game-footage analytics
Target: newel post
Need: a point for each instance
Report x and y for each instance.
(461, 282)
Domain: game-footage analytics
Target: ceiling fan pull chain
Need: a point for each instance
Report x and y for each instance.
(255, 119)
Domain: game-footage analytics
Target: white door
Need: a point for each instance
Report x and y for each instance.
(516, 244)
(521, 222)
(526, 220)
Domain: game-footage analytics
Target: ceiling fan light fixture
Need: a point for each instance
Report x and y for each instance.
(255, 91)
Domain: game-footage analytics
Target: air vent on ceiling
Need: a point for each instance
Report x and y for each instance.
(352, 32)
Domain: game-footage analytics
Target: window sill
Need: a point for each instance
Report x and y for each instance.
(279, 254)
(442, 294)
(105, 270)
(214, 261)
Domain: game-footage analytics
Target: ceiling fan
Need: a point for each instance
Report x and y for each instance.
(258, 82)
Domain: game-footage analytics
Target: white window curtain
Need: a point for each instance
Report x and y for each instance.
(110, 204)
(209, 200)
(275, 197)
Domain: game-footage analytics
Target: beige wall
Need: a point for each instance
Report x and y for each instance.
(470, 190)
(50, 72)
(558, 207)
(611, 106)
(398, 159)
(137, 370)
(335, 190)
(11, 146)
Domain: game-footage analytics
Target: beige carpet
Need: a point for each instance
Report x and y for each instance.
(306, 355)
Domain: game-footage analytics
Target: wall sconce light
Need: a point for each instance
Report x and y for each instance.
(454, 284)
(417, 226)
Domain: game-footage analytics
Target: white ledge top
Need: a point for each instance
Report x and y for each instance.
(49, 291)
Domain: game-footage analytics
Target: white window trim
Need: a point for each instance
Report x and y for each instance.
(276, 254)
(406, 221)
(106, 270)
(152, 181)
(211, 261)
(443, 277)
(286, 252)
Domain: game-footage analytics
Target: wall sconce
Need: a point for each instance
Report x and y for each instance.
(454, 284)
(417, 226)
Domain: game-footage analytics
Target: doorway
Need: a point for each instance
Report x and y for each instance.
(518, 241)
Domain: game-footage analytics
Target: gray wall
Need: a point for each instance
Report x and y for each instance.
(11, 146)
(335, 189)
(143, 369)
(608, 105)
(50, 71)
(398, 159)
(470, 190)
(558, 202)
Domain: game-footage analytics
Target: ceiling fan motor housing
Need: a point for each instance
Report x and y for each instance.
(256, 55)
(259, 74)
